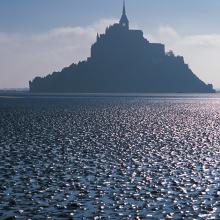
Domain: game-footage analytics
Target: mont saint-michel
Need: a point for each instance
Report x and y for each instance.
(123, 61)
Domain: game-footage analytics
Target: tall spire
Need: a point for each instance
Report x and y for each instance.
(124, 20)
(124, 10)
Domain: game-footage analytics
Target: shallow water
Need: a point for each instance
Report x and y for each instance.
(110, 157)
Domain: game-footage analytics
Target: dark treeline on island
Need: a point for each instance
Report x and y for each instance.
(123, 61)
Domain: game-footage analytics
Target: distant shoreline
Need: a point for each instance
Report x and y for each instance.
(26, 94)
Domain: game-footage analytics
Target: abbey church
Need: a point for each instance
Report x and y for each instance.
(119, 41)
(123, 61)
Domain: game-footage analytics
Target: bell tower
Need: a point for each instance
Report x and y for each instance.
(124, 20)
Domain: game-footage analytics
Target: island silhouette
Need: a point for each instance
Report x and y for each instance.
(123, 61)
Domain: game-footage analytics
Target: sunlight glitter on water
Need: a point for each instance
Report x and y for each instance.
(116, 158)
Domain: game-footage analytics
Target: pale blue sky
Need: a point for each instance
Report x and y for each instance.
(197, 16)
(38, 37)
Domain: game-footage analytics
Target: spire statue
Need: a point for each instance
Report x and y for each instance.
(124, 10)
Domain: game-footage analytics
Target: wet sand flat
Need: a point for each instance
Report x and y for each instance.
(110, 158)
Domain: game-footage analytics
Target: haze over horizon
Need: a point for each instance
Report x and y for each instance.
(39, 37)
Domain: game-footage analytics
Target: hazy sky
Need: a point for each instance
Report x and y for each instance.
(38, 37)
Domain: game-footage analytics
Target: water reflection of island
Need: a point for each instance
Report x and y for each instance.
(123, 61)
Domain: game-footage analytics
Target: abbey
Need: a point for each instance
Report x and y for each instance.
(120, 43)
(123, 61)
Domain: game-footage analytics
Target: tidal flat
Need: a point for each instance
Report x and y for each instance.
(110, 157)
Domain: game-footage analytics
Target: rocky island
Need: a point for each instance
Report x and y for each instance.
(123, 61)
